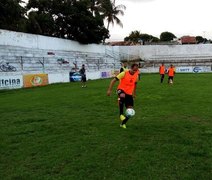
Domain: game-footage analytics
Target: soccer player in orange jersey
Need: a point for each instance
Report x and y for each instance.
(171, 73)
(126, 90)
(162, 72)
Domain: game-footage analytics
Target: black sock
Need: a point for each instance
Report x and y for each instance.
(162, 77)
(121, 106)
(125, 120)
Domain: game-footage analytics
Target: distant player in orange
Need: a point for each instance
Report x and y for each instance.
(162, 72)
(171, 73)
(126, 90)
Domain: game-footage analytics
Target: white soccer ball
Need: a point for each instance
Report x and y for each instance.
(130, 112)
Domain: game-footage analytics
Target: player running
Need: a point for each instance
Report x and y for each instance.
(126, 90)
(171, 73)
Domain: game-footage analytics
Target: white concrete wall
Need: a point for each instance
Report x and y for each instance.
(156, 52)
(29, 49)
(196, 56)
(18, 39)
(58, 78)
(34, 48)
(11, 38)
(175, 51)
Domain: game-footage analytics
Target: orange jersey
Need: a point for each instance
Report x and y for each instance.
(162, 69)
(171, 72)
(127, 81)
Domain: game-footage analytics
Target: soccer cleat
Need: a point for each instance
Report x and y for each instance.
(122, 117)
(123, 126)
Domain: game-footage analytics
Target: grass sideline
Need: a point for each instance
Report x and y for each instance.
(63, 131)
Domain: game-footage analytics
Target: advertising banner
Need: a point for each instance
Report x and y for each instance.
(11, 82)
(31, 80)
(184, 69)
(75, 76)
(208, 69)
(194, 69)
(105, 74)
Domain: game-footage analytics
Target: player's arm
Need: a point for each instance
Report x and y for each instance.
(121, 70)
(112, 82)
(134, 91)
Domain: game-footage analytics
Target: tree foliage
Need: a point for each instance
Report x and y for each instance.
(167, 36)
(76, 20)
(12, 15)
(111, 12)
(80, 20)
(137, 36)
(200, 39)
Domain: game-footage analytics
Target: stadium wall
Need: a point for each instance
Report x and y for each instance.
(24, 54)
(11, 38)
(197, 57)
(53, 59)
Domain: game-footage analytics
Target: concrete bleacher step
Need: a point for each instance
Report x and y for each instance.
(28, 60)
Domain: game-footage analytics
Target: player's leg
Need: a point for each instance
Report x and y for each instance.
(83, 81)
(169, 79)
(129, 102)
(121, 96)
(162, 77)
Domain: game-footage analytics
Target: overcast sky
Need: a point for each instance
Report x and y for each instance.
(181, 17)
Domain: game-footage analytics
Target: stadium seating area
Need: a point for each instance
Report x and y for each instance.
(28, 60)
(22, 53)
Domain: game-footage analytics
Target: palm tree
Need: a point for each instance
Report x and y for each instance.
(110, 12)
(134, 36)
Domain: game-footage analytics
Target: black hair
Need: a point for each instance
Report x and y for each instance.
(133, 65)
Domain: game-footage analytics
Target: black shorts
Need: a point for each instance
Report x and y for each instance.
(128, 100)
(171, 77)
(83, 78)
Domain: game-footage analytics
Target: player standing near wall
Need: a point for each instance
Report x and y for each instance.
(82, 72)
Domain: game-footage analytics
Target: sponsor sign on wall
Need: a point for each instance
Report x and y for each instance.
(184, 69)
(11, 82)
(31, 80)
(198, 69)
(195, 69)
(75, 76)
(105, 74)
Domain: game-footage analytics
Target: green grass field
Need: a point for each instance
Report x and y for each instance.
(63, 131)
